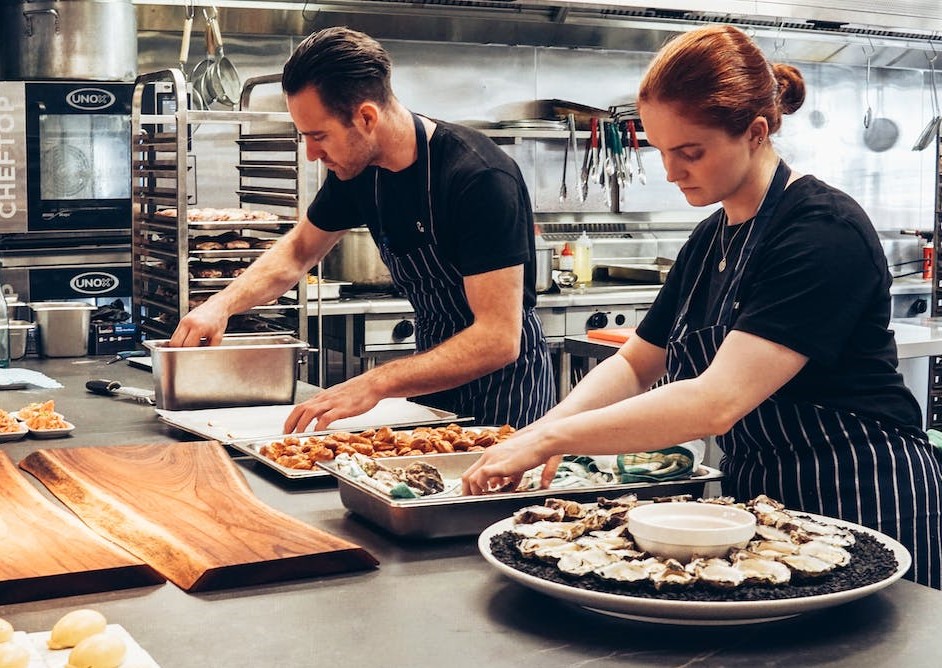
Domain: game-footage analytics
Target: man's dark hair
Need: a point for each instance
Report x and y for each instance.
(344, 66)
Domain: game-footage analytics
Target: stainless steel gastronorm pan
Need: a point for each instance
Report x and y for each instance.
(241, 371)
(440, 517)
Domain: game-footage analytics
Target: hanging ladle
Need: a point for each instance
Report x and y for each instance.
(932, 128)
(868, 115)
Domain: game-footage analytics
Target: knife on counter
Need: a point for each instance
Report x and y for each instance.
(112, 388)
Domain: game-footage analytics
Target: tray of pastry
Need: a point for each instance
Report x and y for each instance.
(450, 513)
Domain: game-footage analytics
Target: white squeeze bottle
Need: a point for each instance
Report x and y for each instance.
(582, 265)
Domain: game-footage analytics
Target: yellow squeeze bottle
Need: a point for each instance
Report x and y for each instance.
(582, 260)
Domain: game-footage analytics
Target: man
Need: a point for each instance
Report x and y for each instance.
(451, 215)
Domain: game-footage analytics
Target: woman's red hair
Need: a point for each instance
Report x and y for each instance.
(720, 78)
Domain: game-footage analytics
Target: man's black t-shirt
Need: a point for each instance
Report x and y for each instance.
(818, 283)
(480, 205)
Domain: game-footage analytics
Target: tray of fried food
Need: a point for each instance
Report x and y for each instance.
(11, 429)
(43, 421)
(299, 455)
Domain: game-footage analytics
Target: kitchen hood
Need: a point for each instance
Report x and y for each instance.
(892, 33)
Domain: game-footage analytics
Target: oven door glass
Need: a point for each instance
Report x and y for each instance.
(84, 157)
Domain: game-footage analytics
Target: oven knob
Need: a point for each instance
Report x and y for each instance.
(403, 330)
(918, 306)
(596, 321)
(620, 319)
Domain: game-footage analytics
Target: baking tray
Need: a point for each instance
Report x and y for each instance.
(650, 272)
(264, 423)
(447, 516)
(253, 447)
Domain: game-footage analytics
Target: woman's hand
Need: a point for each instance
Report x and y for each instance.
(505, 463)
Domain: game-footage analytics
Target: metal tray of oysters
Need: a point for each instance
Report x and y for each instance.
(441, 516)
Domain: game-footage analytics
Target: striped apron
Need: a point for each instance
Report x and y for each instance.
(816, 459)
(517, 394)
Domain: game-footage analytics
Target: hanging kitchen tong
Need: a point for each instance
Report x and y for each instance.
(632, 132)
(586, 168)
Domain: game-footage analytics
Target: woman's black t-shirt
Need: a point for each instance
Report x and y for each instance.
(817, 283)
(480, 205)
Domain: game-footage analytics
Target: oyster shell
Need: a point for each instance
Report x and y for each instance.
(772, 549)
(548, 549)
(759, 570)
(635, 570)
(532, 514)
(423, 477)
(828, 533)
(545, 529)
(572, 510)
(580, 562)
(806, 565)
(717, 573)
(672, 575)
(832, 554)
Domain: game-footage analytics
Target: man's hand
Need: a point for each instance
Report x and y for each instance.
(202, 326)
(352, 397)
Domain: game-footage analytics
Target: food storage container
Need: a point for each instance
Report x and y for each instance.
(19, 335)
(62, 327)
(241, 371)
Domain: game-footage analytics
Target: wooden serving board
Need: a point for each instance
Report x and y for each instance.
(46, 552)
(186, 509)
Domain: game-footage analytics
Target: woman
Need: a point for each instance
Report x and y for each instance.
(772, 326)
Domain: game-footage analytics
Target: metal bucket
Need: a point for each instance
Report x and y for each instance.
(19, 336)
(544, 269)
(63, 328)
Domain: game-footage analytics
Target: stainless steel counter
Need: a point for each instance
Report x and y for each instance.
(428, 603)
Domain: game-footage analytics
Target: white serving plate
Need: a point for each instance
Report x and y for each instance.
(53, 433)
(705, 613)
(14, 435)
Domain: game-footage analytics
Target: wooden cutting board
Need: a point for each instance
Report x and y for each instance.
(614, 334)
(186, 509)
(46, 552)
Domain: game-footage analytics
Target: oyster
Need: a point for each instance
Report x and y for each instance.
(772, 549)
(548, 549)
(546, 529)
(832, 554)
(423, 477)
(717, 573)
(756, 569)
(624, 501)
(806, 565)
(827, 533)
(629, 571)
(572, 510)
(532, 514)
(584, 561)
(604, 542)
(673, 574)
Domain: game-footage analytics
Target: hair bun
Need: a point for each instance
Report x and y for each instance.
(791, 87)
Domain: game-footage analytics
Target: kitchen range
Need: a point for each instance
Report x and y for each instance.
(369, 323)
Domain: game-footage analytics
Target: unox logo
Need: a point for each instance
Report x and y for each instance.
(93, 282)
(90, 99)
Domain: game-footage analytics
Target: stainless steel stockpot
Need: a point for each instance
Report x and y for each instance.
(61, 39)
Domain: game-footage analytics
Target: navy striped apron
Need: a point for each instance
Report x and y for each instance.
(812, 458)
(517, 394)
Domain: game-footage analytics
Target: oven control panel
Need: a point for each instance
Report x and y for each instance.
(580, 319)
(391, 331)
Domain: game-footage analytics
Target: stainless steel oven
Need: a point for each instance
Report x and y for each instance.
(65, 165)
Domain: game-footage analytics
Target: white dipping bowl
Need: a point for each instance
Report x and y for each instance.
(684, 531)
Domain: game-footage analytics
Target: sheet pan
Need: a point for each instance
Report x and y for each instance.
(447, 516)
(227, 425)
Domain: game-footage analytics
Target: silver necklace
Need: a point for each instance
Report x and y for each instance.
(722, 265)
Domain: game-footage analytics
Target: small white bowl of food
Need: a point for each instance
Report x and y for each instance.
(687, 530)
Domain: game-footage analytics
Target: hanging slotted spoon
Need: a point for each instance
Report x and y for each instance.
(932, 128)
